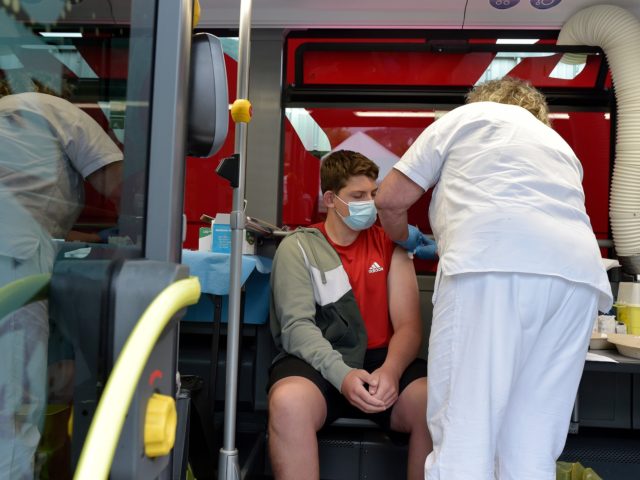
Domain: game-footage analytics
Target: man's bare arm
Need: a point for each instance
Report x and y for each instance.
(404, 309)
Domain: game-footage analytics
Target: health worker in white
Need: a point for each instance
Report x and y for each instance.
(48, 148)
(519, 283)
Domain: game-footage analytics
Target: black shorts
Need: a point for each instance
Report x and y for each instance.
(337, 405)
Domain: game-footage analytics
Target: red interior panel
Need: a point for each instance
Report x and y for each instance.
(301, 182)
(393, 68)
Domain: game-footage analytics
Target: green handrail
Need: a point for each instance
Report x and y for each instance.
(102, 439)
(23, 291)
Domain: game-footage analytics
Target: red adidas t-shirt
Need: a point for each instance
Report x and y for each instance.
(367, 262)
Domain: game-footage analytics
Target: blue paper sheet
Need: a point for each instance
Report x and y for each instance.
(212, 269)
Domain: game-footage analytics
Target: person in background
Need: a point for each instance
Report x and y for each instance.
(345, 318)
(519, 282)
(48, 148)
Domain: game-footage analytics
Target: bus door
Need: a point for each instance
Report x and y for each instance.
(93, 115)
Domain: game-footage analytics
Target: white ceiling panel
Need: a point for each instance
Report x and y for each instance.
(400, 13)
(480, 14)
(336, 13)
(452, 14)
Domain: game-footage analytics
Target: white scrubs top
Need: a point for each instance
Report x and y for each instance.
(47, 147)
(508, 198)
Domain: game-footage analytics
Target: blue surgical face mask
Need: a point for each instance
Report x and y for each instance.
(361, 214)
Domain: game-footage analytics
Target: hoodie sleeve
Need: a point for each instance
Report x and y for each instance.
(293, 311)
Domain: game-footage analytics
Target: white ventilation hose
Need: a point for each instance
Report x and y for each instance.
(617, 32)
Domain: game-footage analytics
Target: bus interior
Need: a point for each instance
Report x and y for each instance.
(367, 76)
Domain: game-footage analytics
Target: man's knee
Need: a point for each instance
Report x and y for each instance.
(410, 410)
(296, 400)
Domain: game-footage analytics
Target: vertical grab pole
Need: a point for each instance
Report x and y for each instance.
(228, 468)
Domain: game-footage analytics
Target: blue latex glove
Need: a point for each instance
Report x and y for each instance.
(428, 251)
(108, 232)
(413, 241)
(419, 244)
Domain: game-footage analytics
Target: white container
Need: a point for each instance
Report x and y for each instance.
(627, 345)
(629, 293)
(599, 341)
(204, 239)
(606, 324)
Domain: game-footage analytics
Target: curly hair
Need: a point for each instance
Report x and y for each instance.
(338, 167)
(512, 91)
(5, 89)
(26, 83)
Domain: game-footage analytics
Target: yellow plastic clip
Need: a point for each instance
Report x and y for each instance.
(160, 425)
(196, 13)
(241, 111)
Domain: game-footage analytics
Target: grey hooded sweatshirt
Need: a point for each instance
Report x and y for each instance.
(313, 313)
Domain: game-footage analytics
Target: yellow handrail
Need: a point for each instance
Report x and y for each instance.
(102, 439)
(23, 291)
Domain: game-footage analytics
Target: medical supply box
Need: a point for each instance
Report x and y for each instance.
(221, 236)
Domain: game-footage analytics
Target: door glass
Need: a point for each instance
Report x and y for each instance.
(75, 89)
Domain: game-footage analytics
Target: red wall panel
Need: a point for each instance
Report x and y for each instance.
(393, 68)
(588, 133)
(110, 62)
(294, 43)
(301, 182)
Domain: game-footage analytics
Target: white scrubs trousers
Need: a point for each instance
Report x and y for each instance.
(506, 354)
(23, 370)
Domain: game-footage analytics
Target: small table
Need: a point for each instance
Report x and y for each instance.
(213, 271)
(624, 365)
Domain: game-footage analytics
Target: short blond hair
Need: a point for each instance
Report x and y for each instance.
(512, 91)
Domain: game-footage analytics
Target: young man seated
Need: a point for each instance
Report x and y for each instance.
(345, 317)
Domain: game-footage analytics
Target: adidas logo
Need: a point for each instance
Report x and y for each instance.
(375, 267)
